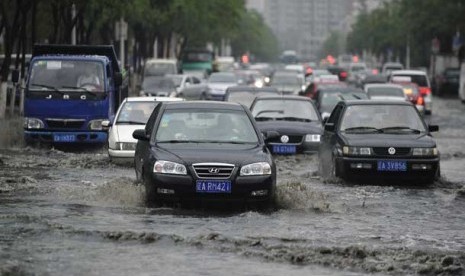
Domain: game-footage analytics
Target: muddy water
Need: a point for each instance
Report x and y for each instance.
(75, 213)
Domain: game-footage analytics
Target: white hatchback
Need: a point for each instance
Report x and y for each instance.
(132, 114)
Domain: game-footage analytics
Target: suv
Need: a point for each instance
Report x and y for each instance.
(421, 79)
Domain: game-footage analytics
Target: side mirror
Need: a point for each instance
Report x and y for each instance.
(15, 76)
(271, 134)
(433, 128)
(106, 124)
(330, 127)
(140, 134)
(118, 79)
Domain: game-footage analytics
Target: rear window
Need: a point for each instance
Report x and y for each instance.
(420, 80)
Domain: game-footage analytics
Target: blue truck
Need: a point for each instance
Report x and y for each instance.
(70, 90)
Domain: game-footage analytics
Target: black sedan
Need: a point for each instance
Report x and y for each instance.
(204, 151)
(378, 139)
(295, 118)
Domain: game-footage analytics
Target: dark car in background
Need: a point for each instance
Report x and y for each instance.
(295, 118)
(448, 82)
(339, 71)
(378, 139)
(328, 97)
(204, 151)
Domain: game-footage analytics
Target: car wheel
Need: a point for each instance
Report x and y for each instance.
(150, 192)
(203, 97)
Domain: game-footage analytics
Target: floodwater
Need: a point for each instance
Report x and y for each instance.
(74, 213)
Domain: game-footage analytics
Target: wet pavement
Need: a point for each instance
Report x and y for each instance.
(74, 213)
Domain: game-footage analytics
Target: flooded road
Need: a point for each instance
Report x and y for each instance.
(65, 213)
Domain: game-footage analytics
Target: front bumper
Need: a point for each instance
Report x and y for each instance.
(183, 188)
(72, 136)
(121, 154)
(359, 167)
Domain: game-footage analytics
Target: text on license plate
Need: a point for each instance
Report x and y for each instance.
(392, 166)
(284, 149)
(213, 186)
(64, 138)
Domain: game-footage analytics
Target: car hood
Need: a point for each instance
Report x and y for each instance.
(212, 153)
(388, 140)
(123, 133)
(288, 127)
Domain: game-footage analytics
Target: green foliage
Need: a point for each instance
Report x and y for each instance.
(333, 45)
(416, 21)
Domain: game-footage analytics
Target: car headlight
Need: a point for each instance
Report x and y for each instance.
(142, 93)
(125, 146)
(35, 123)
(356, 150)
(312, 138)
(425, 152)
(261, 168)
(168, 167)
(96, 124)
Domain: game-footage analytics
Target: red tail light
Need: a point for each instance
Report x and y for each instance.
(420, 101)
(425, 91)
(343, 74)
(375, 71)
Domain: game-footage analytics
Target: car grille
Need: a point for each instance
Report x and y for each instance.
(293, 139)
(65, 123)
(385, 151)
(213, 170)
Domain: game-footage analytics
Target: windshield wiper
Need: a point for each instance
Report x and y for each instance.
(294, 119)
(50, 87)
(264, 118)
(81, 88)
(270, 111)
(400, 128)
(362, 128)
(130, 122)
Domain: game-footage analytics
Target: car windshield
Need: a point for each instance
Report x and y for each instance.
(382, 118)
(221, 77)
(284, 109)
(385, 91)
(286, 80)
(69, 75)
(159, 68)
(205, 126)
(135, 112)
(157, 83)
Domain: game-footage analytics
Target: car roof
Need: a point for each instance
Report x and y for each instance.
(375, 102)
(283, 97)
(409, 72)
(156, 99)
(393, 85)
(203, 105)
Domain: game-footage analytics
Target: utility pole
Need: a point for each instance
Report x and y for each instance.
(121, 41)
(73, 17)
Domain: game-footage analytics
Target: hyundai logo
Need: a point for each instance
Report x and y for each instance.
(214, 170)
(392, 151)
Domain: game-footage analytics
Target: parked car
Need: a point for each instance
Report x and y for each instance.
(246, 94)
(160, 86)
(188, 87)
(204, 151)
(132, 114)
(218, 83)
(448, 82)
(385, 91)
(376, 140)
(421, 79)
(295, 118)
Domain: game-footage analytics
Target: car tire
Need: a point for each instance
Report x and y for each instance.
(150, 192)
(203, 97)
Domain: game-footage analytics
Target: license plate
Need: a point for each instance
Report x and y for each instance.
(284, 149)
(392, 166)
(213, 186)
(66, 138)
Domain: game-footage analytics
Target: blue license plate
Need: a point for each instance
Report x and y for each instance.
(213, 186)
(284, 149)
(392, 166)
(64, 138)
